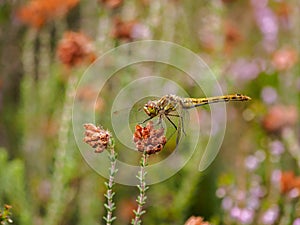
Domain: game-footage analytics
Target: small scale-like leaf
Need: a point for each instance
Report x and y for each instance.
(139, 187)
(112, 194)
(106, 206)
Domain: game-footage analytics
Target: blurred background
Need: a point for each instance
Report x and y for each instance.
(253, 48)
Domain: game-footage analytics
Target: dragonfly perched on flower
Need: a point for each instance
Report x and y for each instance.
(173, 106)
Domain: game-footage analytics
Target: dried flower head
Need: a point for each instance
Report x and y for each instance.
(130, 30)
(284, 59)
(123, 29)
(193, 220)
(75, 48)
(97, 137)
(280, 116)
(111, 4)
(148, 139)
(289, 182)
(37, 12)
(284, 11)
(232, 37)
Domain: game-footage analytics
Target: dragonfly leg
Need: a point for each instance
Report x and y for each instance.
(181, 121)
(179, 132)
(146, 120)
(182, 125)
(171, 122)
(177, 129)
(176, 115)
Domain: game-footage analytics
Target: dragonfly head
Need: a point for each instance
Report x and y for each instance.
(151, 108)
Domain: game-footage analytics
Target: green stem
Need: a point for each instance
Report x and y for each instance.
(141, 199)
(62, 165)
(110, 205)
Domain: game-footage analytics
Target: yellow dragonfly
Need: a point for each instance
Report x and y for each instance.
(171, 106)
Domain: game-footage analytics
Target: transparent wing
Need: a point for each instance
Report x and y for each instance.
(132, 114)
(178, 120)
(125, 117)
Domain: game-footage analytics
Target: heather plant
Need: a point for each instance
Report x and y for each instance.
(148, 140)
(268, 196)
(251, 47)
(13, 189)
(101, 140)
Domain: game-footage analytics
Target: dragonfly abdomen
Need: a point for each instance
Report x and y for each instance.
(194, 102)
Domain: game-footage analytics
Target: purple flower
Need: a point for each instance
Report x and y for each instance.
(294, 193)
(235, 212)
(240, 195)
(276, 176)
(257, 191)
(221, 192)
(271, 215)
(276, 148)
(244, 70)
(267, 22)
(269, 95)
(253, 203)
(251, 162)
(227, 203)
(246, 216)
(296, 221)
(140, 31)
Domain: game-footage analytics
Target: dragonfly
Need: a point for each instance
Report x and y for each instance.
(172, 106)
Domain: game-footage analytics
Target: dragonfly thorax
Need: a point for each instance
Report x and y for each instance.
(163, 106)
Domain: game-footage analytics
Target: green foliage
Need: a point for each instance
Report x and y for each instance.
(13, 188)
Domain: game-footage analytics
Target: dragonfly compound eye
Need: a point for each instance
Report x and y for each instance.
(151, 109)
